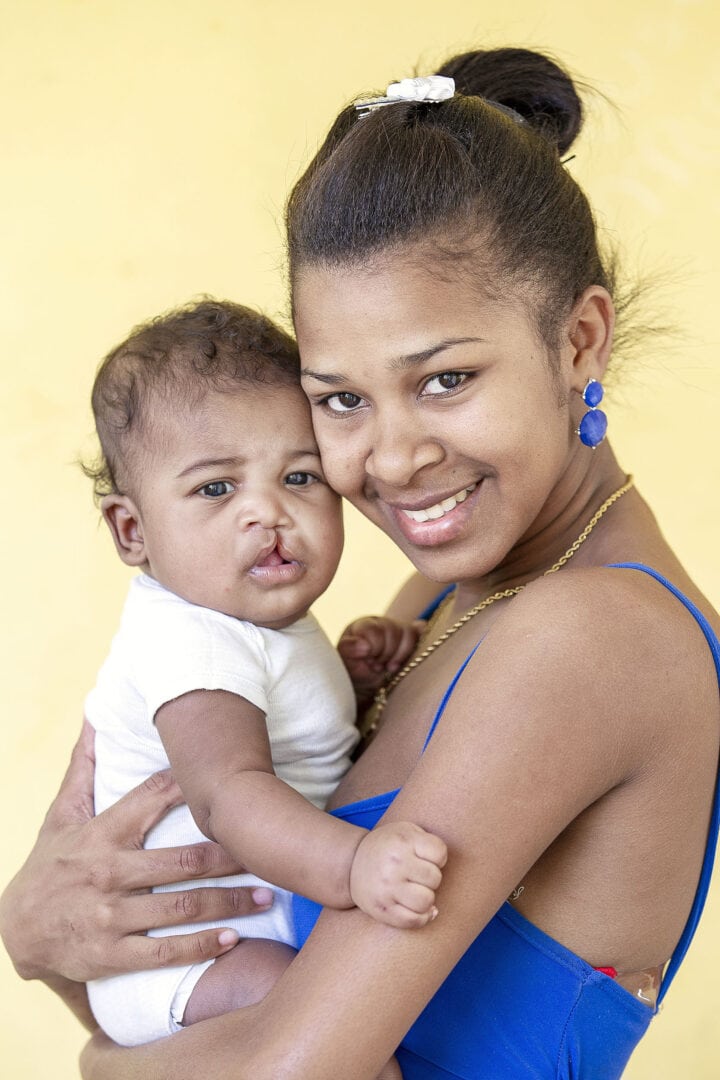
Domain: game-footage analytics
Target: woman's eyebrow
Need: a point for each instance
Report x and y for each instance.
(398, 363)
(427, 354)
(319, 376)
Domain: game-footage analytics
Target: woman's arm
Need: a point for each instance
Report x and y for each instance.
(79, 907)
(496, 788)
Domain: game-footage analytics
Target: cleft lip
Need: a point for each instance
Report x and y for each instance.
(267, 548)
(284, 551)
(275, 564)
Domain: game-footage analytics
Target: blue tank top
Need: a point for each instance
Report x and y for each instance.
(519, 1005)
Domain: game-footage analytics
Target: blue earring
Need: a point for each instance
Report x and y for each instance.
(593, 426)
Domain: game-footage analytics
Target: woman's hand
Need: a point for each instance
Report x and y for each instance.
(81, 904)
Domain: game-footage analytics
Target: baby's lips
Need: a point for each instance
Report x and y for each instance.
(272, 558)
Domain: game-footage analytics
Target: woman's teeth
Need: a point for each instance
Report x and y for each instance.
(432, 513)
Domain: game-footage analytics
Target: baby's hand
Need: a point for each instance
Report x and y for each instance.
(374, 647)
(395, 872)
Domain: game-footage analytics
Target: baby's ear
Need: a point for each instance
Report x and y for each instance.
(123, 521)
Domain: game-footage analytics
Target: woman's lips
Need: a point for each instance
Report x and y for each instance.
(438, 523)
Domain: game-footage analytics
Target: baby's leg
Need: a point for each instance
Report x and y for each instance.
(241, 977)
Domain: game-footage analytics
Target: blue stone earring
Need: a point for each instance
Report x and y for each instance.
(593, 426)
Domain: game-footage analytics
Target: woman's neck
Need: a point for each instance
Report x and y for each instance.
(576, 498)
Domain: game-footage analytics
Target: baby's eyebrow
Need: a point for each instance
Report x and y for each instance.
(210, 463)
(235, 462)
(304, 453)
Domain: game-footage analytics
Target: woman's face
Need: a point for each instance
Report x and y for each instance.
(436, 411)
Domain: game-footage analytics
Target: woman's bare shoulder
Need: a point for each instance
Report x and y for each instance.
(588, 672)
(617, 613)
(588, 683)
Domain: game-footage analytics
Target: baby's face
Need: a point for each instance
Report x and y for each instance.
(234, 508)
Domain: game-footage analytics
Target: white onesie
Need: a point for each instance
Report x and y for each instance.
(165, 648)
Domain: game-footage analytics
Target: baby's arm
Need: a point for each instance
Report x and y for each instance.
(374, 647)
(219, 751)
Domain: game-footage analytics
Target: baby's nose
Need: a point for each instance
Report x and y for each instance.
(265, 512)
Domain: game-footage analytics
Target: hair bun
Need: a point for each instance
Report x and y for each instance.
(529, 82)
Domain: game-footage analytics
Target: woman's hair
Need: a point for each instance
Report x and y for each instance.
(482, 188)
(171, 362)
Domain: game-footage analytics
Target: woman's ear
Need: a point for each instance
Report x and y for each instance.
(589, 336)
(124, 522)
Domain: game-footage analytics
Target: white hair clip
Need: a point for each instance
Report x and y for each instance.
(429, 88)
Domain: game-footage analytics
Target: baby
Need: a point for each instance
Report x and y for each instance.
(211, 484)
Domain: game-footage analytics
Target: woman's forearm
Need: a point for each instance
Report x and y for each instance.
(292, 1034)
(74, 995)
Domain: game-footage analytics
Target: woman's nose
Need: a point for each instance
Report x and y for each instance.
(400, 448)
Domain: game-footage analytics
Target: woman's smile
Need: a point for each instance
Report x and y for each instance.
(438, 522)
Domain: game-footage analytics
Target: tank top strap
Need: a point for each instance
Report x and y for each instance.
(710, 848)
(448, 693)
(435, 603)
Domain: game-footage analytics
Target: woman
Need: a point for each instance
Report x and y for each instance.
(561, 730)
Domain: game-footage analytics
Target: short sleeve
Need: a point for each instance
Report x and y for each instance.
(181, 647)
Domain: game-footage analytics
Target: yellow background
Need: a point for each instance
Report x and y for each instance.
(147, 147)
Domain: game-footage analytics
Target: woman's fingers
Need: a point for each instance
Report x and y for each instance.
(146, 868)
(141, 953)
(80, 905)
(151, 910)
(131, 817)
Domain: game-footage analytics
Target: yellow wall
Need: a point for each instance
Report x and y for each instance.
(146, 148)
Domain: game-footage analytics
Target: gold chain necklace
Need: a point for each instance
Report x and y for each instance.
(372, 717)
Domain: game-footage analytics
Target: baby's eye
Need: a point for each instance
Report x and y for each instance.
(447, 380)
(216, 489)
(342, 403)
(300, 479)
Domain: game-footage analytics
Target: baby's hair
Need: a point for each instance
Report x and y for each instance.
(176, 358)
(482, 189)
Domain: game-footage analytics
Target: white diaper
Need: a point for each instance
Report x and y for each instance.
(146, 1005)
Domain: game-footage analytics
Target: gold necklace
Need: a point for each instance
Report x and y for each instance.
(372, 716)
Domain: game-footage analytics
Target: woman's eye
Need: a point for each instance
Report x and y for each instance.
(448, 380)
(342, 403)
(300, 479)
(216, 489)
